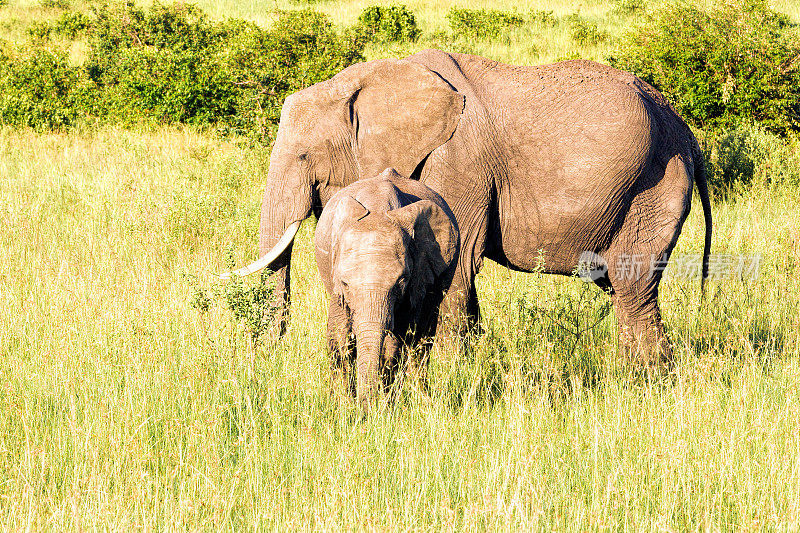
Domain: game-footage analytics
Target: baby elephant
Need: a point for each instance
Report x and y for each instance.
(386, 249)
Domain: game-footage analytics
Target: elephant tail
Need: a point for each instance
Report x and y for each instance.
(702, 191)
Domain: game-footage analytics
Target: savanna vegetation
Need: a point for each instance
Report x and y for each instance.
(140, 392)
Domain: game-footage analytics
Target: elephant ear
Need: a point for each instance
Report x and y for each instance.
(345, 212)
(434, 238)
(400, 112)
(350, 209)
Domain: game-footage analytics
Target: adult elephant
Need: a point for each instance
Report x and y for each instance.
(537, 163)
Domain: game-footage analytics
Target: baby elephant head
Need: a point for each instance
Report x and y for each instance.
(383, 266)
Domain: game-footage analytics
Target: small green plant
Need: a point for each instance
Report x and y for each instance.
(482, 23)
(543, 18)
(735, 62)
(584, 32)
(252, 305)
(389, 23)
(55, 4)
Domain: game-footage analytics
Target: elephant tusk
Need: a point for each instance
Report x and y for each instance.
(268, 258)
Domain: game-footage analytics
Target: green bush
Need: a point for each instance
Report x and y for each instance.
(389, 23)
(171, 64)
(482, 23)
(39, 32)
(55, 4)
(302, 49)
(40, 89)
(584, 32)
(743, 156)
(72, 24)
(543, 18)
(735, 62)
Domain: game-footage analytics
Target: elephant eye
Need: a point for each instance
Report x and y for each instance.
(302, 157)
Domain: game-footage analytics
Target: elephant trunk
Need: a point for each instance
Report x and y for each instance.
(369, 348)
(286, 203)
(371, 323)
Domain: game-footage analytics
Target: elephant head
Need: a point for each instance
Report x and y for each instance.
(382, 266)
(370, 116)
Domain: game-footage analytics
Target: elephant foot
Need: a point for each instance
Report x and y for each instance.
(646, 349)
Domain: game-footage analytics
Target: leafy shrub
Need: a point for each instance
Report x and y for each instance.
(302, 49)
(736, 62)
(482, 23)
(389, 23)
(40, 89)
(745, 155)
(252, 305)
(584, 32)
(72, 24)
(172, 64)
(39, 32)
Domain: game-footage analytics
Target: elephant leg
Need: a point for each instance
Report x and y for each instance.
(392, 362)
(637, 258)
(282, 298)
(460, 313)
(459, 316)
(420, 364)
(641, 331)
(340, 346)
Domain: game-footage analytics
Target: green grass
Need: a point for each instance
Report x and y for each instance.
(125, 407)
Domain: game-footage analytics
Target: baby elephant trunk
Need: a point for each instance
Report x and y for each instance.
(371, 323)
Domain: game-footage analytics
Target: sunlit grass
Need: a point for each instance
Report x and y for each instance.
(125, 406)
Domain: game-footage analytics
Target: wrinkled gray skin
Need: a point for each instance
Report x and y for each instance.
(553, 160)
(386, 250)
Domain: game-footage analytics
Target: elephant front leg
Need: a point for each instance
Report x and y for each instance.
(340, 348)
(282, 298)
(459, 314)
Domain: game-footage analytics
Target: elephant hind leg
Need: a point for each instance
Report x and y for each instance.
(637, 259)
(641, 331)
(634, 274)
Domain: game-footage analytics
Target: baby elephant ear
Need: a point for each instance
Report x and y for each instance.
(350, 208)
(433, 233)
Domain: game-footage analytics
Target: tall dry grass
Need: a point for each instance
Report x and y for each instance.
(126, 407)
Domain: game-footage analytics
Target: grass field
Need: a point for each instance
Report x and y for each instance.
(125, 407)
